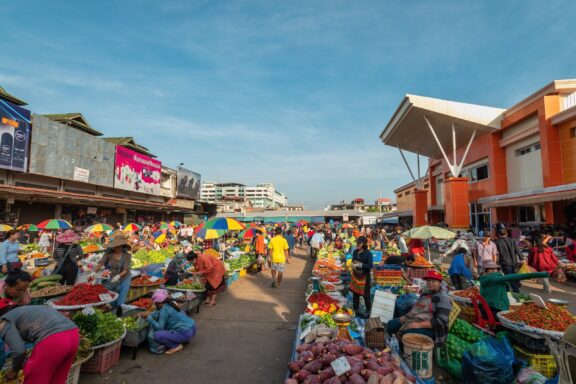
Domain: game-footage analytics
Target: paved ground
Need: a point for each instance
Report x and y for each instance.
(246, 338)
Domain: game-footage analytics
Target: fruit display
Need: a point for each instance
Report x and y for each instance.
(144, 280)
(100, 328)
(28, 248)
(38, 255)
(83, 294)
(134, 324)
(313, 365)
(392, 250)
(91, 248)
(466, 331)
(555, 318)
(50, 291)
(456, 346)
(145, 257)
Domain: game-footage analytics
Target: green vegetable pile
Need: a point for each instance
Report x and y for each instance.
(100, 328)
(308, 319)
(187, 285)
(133, 323)
(456, 347)
(466, 331)
(144, 257)
(241, 262)
(327, 319)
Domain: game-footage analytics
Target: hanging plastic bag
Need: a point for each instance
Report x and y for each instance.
(489, 361)
(525, 268)
(404, 304)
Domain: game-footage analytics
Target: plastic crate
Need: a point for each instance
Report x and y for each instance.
(103, 359)
(533, 344)
(74, 374)
(545, 364)
(454, 313)
(387, 276)
(468, 313)
(417, 273)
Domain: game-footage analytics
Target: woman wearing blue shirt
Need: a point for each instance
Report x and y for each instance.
(459, 272)
(9, 250)
(170, 327)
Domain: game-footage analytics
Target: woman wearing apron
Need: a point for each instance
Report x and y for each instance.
(361, 267)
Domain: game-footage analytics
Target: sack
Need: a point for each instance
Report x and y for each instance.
(404, 304)
(489, 361)
(559, 275)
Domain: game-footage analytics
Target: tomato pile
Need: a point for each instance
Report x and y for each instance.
(83, 294)
(555, 318)
(467, 293)
(145, 280)
(143, 303)
(321, 304)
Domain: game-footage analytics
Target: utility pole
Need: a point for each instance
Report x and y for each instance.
(379, 202)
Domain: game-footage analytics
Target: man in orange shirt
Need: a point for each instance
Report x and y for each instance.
(260, 249)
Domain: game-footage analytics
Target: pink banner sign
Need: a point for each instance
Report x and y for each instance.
(136, 172)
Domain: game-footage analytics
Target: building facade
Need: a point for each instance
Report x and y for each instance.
(514, 166)
(264, 196)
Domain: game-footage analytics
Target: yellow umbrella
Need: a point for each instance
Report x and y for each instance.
(160, 239)
(5, 228)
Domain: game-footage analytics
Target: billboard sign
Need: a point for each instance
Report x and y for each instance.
(136, 172)
(14, 136)
(188, 183)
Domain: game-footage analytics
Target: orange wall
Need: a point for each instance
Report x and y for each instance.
(568, 151)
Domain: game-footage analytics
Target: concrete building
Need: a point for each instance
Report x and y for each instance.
(263, 195)
(515, 166)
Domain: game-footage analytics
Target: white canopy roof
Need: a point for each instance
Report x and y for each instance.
(409, 130)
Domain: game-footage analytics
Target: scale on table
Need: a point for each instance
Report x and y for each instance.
(343, 320)
(315, 280)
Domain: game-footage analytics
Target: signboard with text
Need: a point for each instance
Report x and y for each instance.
(136, 172)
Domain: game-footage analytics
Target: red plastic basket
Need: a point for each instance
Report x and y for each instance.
(103, 359)
(417, 272)
(387, 277)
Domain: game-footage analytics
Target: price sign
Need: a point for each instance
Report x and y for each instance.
(153, 279)
(105, 297)
(88, 311)
(340, 366)
(305, 332)
(177, 295)
(538, 301)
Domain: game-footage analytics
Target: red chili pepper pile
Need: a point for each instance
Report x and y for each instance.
(555, 318)
(143, 303)
(83, 294)
(467, 293)
(145, 280)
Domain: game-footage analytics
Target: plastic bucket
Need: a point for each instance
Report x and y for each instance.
(418, 351)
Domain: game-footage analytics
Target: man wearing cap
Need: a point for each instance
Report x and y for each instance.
(429, 315)
(494, 285)
(362, 263)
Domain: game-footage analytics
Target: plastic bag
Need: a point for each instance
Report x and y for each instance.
(404, 304)
(489, 361)
(559, 275)
(529, 376)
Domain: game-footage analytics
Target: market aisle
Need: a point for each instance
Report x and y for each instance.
(246, 338)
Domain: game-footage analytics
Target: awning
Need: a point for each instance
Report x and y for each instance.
(409, 131)
(400, 214)
(543, 195)
(436, 208)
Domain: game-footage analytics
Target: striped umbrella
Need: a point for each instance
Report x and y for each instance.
(160, 238)
(225, 224)
(54, 224)
(132, 227)
(209, 234)
(248, 233)
(28, 227)
(176, 224)
(5, 228)
(98, 228)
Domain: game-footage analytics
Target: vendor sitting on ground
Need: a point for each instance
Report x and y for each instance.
(494, 286)
(429, 315)
(459, 272)
(169, 325)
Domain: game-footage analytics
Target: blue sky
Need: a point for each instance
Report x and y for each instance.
(292, 92)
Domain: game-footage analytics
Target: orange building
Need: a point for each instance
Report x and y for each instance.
(515, 166)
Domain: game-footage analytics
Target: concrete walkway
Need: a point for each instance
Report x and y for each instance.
(246, 338)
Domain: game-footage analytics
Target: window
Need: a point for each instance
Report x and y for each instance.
(478, 173)
(407, 193)
(526, 214)
(527, 149)
(573, 132)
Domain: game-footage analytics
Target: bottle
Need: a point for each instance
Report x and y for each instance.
(394, 344)
(19, 148)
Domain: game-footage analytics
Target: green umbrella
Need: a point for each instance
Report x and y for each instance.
(428, 232)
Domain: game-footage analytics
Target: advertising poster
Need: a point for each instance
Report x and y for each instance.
(136, 172)
(14, 136)
(188, 183)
